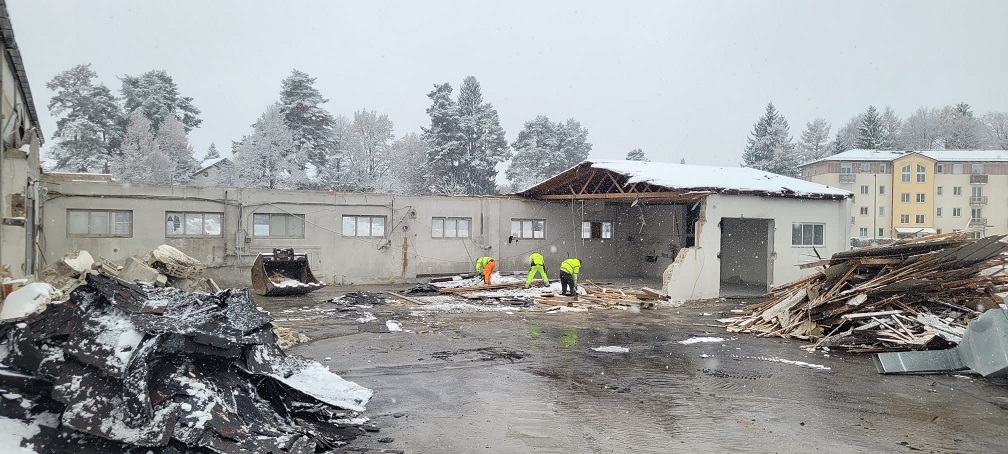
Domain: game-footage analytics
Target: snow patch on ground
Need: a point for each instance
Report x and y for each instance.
(774, 359)
(699, 340)
(317, 381)
(457, 308)
(495, 278)
(612, 349)
(366, 317)
(393, 326)
(13, 431)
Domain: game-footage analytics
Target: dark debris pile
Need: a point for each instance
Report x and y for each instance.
(128, 367)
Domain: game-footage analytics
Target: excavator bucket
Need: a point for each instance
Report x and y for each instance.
(283, 273)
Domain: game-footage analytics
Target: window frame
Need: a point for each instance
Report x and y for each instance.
(904, 219)
(921, 173)
(864, 211)
(957, 191)
(357, 223)
(905, 173)
(185, 224)
(520, 234)
(864, 167)
(882, 167)
(957, 212)
(865, 189)
(444, 220)
(938, 212)
(269, 225)
(601, 224)
(801, 226)
(881, 190)
(863, 232)
(904, 197)
(919, 219)
(881, 211)
(110, 223)
(921, 198)
(846, 168)
(939, 168)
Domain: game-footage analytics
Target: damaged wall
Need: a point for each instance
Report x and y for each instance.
(695, 273)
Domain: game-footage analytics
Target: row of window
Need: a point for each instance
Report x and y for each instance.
(864, 167)
(976, 191)
(956, 212)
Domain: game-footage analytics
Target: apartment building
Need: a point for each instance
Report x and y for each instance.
(910, 193)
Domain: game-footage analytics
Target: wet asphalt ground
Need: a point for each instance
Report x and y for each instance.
(528, 381)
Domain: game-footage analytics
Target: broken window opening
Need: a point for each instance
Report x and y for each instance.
(278, 225)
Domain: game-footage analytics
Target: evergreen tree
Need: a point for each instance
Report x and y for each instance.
(211, 153)
(637, 155)
(141, 162)
(544, 149)
(960, 129)
(173, 142)
(444, 142)
(483, 142)
(814, 141)
(891, 126)
(769, 146)
(869, 135)
(89, 130)
(310, 124)
(155, 94)
(846, 137)
(261, 159)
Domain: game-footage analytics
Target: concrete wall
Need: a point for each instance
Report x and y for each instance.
(694, 275)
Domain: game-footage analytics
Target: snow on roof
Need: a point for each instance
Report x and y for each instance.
(937, 155)
(923, 230)
(698, 178)
(209, 163)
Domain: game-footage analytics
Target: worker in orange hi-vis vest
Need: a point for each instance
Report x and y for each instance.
(486, 266)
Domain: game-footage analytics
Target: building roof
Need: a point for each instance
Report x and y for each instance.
(683, 179)
(17, 66)
(210, 163)
(937, 155)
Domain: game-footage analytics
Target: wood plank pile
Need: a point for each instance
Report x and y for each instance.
(912, 295)
(487, 287)
(599, 296)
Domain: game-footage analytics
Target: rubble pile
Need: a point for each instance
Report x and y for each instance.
(129, 366)
(912, 295)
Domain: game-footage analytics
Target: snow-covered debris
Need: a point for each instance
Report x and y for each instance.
(611, 349)
(393, 325)
(701, 340)
(146, 366)
(26, 300)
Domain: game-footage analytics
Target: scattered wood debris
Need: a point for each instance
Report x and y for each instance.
(912, 295)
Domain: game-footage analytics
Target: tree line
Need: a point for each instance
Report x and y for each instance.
(140, 136)
(771, 147)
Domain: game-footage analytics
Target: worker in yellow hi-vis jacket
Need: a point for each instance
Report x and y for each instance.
(536, 265)
(485, 266)
(569, 270)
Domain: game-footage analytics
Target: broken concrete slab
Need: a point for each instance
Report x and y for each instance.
(135, 270)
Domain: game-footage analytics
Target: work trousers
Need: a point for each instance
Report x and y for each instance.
(566, 280)
(536, 269)
(488, 270)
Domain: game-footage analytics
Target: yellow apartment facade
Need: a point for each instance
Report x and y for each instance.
(910, 193)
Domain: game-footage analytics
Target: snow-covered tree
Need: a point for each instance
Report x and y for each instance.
(869, 135)
(173, 142)
(310, 124)
(408, 166)
(636, 154)
(444, 140)
(814, 142)
(261, 158)
(996, 129)
(141, 162)
(961, 130)
(89, 129)
(367, 151)
(212, 152)
(337, 172)
(544, 149)
(770, 147)
(846, 137)
(891, 126)
(157, 96)
(922, 131)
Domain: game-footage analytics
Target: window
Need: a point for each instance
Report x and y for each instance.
(864, 211)
(919, 219)
(845, 168)
(938, 212)
(864, 189)
(976, 213)
(881, 231)
(904, 219)
(807, 234)
(881, 168)
(957, 168)
(921, 173)
(978, 169)
(976, 191)
(193, 224)
(450, 227)
(863, 232)
(881, 211)
(279, 225)
(528, 228)
(99, 223)
(956, 190)
(881, 190)
(357, 225)
(956, 212)
(939, 190)
(905, 197)
(865, 167)
(939, 168)
(905, 173)
(596, 229)
(920, 197)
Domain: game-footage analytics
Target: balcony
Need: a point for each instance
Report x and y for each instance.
(978, 200)
(978, 179)
(978, 222)
(850, 178)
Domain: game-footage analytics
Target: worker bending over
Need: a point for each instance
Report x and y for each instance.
(536, 264)
(486, 266)
(569, 270)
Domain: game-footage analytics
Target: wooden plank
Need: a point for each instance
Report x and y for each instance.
(406, 298)
(869, 314)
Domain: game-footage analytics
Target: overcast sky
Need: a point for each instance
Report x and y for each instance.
(678, 79)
